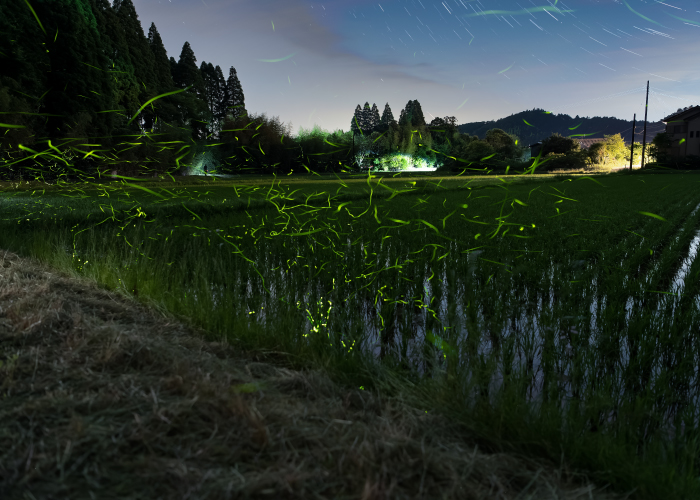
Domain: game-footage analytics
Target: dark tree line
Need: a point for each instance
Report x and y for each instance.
(82, 69)
(537, 124)
(434, 142)
(367, 119)
(78, 73)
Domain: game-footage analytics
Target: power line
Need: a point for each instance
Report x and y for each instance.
(669, 109)
(597, 99)
(671, 96)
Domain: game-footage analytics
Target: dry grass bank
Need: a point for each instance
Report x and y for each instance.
(103, 397)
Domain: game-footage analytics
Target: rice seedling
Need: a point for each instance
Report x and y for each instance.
(537, 311)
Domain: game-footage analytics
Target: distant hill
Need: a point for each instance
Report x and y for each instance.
(543, 124)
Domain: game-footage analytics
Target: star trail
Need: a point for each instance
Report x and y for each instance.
(312, 62)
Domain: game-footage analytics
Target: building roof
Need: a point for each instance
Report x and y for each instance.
(586, 143)
(683, 114)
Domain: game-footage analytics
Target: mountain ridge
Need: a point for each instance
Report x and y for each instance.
(531, 126)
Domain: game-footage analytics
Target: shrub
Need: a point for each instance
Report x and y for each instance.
(558, 161)
(558, 144)
(660, 146)
(391, 163)
(503, 144)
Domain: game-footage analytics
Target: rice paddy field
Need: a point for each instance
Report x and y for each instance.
(558, 314)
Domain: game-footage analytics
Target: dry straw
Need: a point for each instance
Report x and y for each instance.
(103, 397)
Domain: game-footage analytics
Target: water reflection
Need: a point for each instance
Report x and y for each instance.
(525, 323)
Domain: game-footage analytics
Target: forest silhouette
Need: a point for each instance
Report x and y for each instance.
(83, 91)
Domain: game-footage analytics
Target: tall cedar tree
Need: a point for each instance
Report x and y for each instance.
(215, 90)
(375, 117)
(412, 113)
(219, 98)
(174, 71)
(356, 122)
(417, 115)
(88, 57)
(236, 100)
(125, 87)
(161, 68)
(188, 74)
(209, 78)
(194, 109)
(164, 109)
(140, 54)
(184, 102)
(366, 119)
(387, 116)
(223, 99)
(55, 70)
(25, 72)
(404, 116)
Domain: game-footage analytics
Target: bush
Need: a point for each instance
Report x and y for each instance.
(558, 161)
(391, 163)
(503, 144)
(660, 146)
(560, 145)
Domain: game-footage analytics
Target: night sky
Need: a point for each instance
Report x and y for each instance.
(314, 62)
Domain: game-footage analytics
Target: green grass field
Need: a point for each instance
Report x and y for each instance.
(540, 311)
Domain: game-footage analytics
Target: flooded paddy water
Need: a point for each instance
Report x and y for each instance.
(458, 318)
(546, 326)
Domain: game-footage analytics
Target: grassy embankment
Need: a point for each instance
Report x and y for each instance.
(454, 284)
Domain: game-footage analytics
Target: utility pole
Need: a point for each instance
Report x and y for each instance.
(644, 137)
(634, 124)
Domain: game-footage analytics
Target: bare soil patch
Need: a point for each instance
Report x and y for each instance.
(104, 397)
